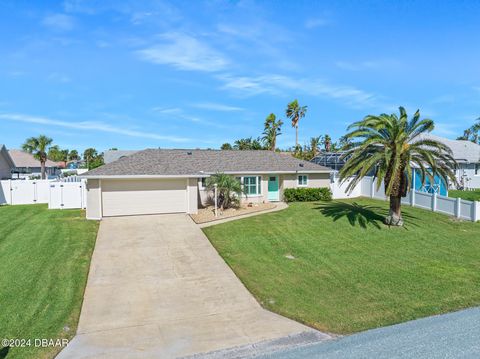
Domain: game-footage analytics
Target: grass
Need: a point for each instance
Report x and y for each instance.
(468, 195)
(44, 261)
(350, 272)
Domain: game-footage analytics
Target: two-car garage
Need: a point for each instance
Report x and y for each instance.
(127, 197)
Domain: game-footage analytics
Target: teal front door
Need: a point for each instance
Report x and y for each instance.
(273, 192)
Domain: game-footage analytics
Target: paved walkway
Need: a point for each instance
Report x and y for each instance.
(157, 288)
(454, 335)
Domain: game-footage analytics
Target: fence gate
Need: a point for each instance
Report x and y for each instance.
(65, 195)
(23, 192)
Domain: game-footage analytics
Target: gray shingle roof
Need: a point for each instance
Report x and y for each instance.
(25, 159)
(463, 151)
(160, 162)
(113, 155)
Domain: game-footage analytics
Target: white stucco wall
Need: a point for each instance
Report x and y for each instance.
(467, 172)
(94, 199)
(285, 181)
(192, 193)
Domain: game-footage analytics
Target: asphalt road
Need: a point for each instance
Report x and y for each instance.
(453, 335)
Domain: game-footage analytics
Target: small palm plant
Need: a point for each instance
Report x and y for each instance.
(390, 145)
(295, 112)
(38, 147)
(229, 189)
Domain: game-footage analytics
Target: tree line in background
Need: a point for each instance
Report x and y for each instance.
(42, 150)
(273, 128)
(472, 133)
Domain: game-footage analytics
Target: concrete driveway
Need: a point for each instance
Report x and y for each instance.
(157, 288)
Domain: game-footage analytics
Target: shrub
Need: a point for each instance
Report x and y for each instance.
(307, 194)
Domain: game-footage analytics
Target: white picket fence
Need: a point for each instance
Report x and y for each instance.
(58, 195)
(460, 208)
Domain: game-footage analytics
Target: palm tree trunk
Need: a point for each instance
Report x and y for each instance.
(394, 218)
(42, 169)
(296, 136)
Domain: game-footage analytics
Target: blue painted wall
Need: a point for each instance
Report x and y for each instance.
(438, 184)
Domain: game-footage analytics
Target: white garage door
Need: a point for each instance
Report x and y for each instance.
(132, 197)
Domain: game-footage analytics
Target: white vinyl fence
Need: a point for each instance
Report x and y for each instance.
(367, 187)
(58, 195)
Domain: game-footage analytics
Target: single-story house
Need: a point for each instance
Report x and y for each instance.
(155, 181)
(27, 166)
(6, 163)
(467, 155)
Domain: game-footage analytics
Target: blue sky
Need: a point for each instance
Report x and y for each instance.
(136, 74)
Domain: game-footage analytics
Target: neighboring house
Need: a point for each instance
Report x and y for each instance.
(113, 155)
(467, 155)
(75, 164)
(170, 181)
(26, 166)
(6, 163)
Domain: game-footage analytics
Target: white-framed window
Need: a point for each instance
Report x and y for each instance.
(252, 185)
(302, 180)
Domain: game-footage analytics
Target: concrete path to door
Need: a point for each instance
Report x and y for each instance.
(158, 289)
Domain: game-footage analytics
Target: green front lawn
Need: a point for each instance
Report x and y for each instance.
(350, 272)
(44, 260)
(468, 195)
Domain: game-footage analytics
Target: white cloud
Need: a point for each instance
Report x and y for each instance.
(284, 85)
(60, 22)
(316, 22)
(168, 110)
(175, 112)
(58, 77)
(184, 52)
(89, 126)
(368, 65)
(216, 107)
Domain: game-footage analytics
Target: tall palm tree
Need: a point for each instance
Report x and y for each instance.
(89, 155)
(295, 112)
(272, 131)
(327, 142)
(38, 147)
(390, 145)
(314, 146)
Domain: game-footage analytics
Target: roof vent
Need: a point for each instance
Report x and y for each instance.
(189, 153)
(300, 164)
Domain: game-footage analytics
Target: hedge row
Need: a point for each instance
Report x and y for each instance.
(307, 194)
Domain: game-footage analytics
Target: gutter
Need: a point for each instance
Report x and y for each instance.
(199, 175)
(141, 176)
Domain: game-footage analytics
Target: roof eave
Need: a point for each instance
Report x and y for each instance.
(142, 176)
(199, 175)
(278, 172)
